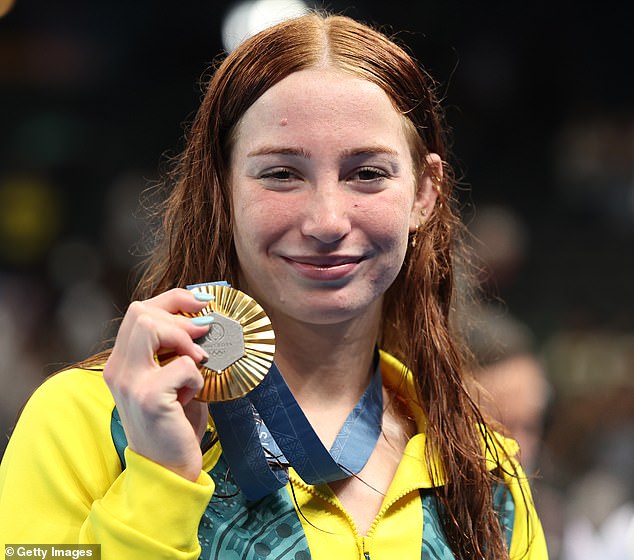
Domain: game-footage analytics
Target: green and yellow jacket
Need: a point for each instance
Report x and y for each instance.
(67, 477)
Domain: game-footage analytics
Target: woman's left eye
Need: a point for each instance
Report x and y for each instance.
(366, 174)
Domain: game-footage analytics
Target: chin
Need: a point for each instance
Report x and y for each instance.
(336, 312)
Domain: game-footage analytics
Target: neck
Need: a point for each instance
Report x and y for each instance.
(327, 364)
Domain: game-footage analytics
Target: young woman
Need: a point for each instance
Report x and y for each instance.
(315, 181)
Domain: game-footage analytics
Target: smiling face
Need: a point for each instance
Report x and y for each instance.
(324, 196)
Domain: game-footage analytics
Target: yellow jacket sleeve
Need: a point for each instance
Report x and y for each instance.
(61, 481)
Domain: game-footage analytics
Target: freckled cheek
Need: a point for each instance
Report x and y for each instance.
(260, 224)
(387, 227)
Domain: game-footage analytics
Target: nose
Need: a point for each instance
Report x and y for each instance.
(326, 215)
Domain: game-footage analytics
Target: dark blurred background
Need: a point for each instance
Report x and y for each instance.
(94, 96)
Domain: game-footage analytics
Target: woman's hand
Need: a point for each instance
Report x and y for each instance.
(161, 420)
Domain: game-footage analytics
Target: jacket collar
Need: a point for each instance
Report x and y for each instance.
(418, 464)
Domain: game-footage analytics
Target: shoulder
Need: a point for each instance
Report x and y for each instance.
(527, 535)
(72, 403)
(74, 388)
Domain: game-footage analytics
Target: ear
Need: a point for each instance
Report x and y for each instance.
(427, 188)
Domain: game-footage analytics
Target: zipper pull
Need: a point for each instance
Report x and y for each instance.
(365, 547)
(366, 552)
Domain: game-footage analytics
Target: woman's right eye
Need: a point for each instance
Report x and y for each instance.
(279, 174)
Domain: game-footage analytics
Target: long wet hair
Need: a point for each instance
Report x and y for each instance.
(195, 242)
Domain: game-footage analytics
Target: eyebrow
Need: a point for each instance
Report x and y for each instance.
(277, 150)
(370, 150)
(300, 152)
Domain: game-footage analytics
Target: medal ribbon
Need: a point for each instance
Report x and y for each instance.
(266, 431)
(270, 411)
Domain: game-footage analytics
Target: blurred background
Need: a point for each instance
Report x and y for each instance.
(95, 96)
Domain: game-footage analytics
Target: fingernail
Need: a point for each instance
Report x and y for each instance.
(204, 354)
(204, 296)
(202, 320)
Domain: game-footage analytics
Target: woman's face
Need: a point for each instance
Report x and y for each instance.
(324, 196)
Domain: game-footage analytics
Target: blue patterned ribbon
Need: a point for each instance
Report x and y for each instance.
(266, 431)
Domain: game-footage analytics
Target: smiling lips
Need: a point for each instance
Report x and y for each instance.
(324, 268)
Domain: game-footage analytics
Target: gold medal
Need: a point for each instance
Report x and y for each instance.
(240, 344)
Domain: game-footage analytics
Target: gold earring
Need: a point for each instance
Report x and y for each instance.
(414, 240)
(414, 237)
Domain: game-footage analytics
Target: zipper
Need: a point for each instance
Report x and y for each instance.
(337, 505)
(386, 506)
(366, 552)
(361, 541)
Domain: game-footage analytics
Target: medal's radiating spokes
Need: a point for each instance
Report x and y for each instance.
(240, 344)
